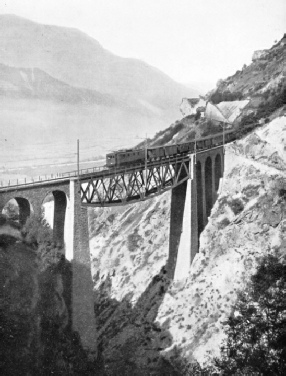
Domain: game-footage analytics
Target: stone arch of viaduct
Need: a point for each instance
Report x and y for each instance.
(30, 198)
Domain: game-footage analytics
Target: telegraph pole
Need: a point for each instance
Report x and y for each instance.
(146, 162)
(78, 160)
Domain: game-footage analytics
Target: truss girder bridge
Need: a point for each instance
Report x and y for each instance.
(134, 183)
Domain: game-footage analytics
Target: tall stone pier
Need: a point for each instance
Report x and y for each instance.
(83, 316)
(191, 204)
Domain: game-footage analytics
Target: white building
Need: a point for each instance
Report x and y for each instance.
(189, 106)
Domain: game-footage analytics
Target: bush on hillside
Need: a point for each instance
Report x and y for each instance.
(273, 100)
(225, 96)
(256, 332)
(191, 135)
(236, 205)
(209, 127)
(169, 134)
(36, 231)
(38, 235)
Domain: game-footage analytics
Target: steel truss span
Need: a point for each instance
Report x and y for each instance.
(136, 183)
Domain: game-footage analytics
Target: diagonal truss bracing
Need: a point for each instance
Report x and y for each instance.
(134, 183)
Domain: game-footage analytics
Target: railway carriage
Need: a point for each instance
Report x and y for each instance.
(184, 148)
(123, 157)
(133, 156)
(200, 144)
(155, 153)
(170, 150)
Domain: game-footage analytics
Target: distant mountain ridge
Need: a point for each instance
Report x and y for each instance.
(79, 60)
(58, 85)
(34, 83)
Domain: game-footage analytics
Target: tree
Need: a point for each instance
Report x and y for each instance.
(256, 334)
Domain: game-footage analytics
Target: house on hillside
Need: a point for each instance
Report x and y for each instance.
(225, 112)
(190, 106)
(214, 114)
(283, 40)
(259, 54)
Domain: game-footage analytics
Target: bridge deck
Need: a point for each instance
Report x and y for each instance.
(85, 174)
(116, 186)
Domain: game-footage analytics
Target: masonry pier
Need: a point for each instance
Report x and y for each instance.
(191, 204)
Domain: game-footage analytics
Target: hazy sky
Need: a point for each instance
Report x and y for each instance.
(190, 40)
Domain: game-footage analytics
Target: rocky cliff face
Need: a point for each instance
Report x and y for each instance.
(182, 321)
(35, 315)
(247, 222)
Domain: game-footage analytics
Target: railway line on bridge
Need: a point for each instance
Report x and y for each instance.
(116, 185)
(101, 186)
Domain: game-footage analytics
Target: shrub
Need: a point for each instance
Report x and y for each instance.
(273, 100)
(236, 205)
(224, 222)
(191, 135)
(256, 335)
(168, 136)
(36, 231)
(210, 128)
(225, 96)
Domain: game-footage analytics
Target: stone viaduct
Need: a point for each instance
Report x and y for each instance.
(191, 204)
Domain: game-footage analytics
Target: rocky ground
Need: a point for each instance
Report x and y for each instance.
(153, 321)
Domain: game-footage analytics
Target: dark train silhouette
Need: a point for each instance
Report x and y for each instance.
(125, 157)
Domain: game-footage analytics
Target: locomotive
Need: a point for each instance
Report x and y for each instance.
(121, 158)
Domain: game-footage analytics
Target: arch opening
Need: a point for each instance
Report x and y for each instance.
(208, 185)
(54, 213)
(18, 209)
(218, 171)
(200, 209)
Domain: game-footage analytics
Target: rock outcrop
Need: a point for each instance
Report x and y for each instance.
(35, 315)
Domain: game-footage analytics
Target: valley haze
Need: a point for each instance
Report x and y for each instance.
(58, 85)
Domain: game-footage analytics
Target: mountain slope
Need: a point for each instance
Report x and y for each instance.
(79, 60)
(130, 248)
(257, 93)
(34, 83)
(58, 85)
